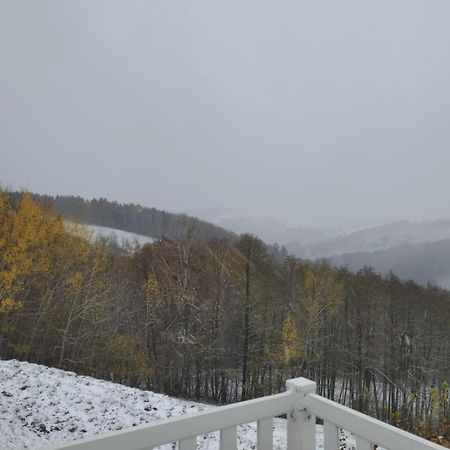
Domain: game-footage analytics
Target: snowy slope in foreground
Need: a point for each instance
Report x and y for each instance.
(41, 406)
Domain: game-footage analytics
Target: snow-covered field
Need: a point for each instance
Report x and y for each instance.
(123, 237)
(41, 406)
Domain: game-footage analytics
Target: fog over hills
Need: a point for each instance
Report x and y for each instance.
(412, 250)
(424, 263)
(375, 239)
(270, 230)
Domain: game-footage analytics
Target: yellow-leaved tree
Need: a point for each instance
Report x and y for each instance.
(320, 295)
(27, 234)
(290, 347)
(46, 272)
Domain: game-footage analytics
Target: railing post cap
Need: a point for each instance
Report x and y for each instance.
(301, 384)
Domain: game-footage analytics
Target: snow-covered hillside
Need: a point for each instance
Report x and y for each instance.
(123, 238)
(41, 406)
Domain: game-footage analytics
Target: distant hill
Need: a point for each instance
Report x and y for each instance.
(270, 230)
(417, 251)
(424, 263)
(375, 239)
(132, 218)
(411, 250)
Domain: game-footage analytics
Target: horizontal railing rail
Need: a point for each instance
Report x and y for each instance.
(368, 431)
(182, 428)
(299, 403)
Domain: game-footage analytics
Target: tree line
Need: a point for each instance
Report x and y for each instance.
(130, 217)
(221, 320)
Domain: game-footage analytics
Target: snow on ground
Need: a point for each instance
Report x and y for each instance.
(41, 406)
(123, 237)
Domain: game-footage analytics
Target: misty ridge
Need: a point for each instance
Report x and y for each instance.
(418, 251)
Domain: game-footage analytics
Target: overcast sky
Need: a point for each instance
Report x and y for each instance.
(316, 112)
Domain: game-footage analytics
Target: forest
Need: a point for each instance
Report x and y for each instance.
(220, 319)
(134, 218)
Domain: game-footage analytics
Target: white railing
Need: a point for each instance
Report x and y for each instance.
(301, 406)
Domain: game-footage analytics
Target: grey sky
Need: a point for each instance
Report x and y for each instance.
(315, 112)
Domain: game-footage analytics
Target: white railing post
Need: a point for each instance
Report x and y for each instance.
(301, 424)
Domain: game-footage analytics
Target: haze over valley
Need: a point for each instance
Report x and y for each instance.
(419, 251)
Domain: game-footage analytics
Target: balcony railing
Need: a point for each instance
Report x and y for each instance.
(299, 403)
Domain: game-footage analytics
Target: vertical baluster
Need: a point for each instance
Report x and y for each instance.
(301, 425)
(330, 436)
(363, 444)
(189, 443)
(228, 438)
(265, 434)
